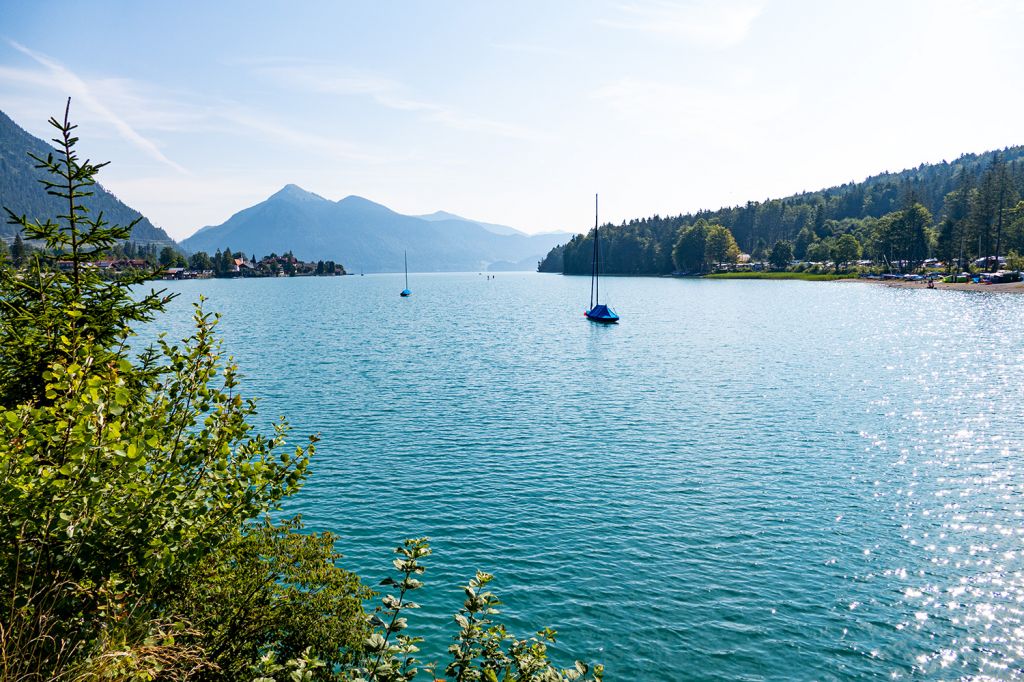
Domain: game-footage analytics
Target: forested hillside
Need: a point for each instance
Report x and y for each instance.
(20, 189)
(967, 207)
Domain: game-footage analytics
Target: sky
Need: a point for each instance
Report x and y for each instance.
(511, 112)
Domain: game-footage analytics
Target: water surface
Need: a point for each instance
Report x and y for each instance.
(743, 480)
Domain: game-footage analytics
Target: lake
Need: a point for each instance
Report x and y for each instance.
(743, 480)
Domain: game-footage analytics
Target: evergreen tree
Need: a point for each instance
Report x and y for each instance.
(805, 239)
(954, 236)
(985, 208)
(819, 221)
(902, 237)
(227, 262)
(853, 208)
(760, 250)
(122, 474)
(1015, 229)
(1007, 197)
(18, 252)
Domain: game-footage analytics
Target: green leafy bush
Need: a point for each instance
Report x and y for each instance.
(136, 536)
(482, 649)
(119, 474)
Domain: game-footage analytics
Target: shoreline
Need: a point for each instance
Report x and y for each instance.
(1008, 288)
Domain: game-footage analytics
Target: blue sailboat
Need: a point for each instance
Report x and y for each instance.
(405, 291)
(598, 312)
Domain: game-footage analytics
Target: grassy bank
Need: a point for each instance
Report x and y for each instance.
(808, 276)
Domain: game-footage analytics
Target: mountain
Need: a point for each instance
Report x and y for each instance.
(368, 236)
(962, 198)
(21, 192)
(490, 227)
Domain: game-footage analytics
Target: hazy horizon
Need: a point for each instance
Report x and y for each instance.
(513, 115)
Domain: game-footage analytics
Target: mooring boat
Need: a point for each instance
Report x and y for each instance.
(598, 312)
(405, 291)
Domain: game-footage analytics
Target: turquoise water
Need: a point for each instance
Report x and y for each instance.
(743, 480)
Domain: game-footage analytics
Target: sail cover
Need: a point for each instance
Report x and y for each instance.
(601, 311)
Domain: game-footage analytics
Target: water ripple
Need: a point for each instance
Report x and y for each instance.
(743, 480)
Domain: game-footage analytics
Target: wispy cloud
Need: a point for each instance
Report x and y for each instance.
(60, 77)
(246, 120)
(389, 93)
(158, 109)
(530, 48)
(707, 23)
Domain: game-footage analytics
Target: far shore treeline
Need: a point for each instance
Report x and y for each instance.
(236, 264)
(169, 263)
(955, 212)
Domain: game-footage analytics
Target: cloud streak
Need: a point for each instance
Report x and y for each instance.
(705, 23)
(182, 113)
(64, 79)
(239, 117)
(388, 93)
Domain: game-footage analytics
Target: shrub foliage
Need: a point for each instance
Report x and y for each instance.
(137, 534)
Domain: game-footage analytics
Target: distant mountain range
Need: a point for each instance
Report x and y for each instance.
(366, 236)
(21, 192)
(359, 233)
(490, 227)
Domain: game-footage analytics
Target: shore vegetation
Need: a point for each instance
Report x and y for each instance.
(806, 276)
(140, 528)
(966, 214)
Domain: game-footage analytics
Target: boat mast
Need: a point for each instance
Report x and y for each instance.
(406, 255)
(594, 282)
(597, 252)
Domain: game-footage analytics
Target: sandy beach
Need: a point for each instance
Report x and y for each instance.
(1009, 288)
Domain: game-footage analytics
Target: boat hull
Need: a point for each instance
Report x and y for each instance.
(602, 319)
(405, 293)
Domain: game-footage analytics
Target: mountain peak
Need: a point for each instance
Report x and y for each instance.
(295, 193)
(443, 215)
(356, 202)
(493, 228)
(365, 235)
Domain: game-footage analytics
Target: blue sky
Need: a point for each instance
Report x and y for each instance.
(514, 113)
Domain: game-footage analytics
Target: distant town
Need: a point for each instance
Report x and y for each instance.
(170, 263)
(228, 264)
